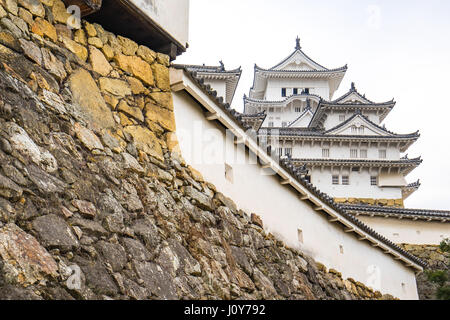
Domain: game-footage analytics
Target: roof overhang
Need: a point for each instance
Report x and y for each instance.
(162, 25)
(181, 80)
(399, 213)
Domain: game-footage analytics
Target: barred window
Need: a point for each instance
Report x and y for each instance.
(382, 154)
(283, 92)
(335, 180)
(288, 151)
(298, 109)
(342, 117)
(363, 154)
(354, 129)
(373, 181)
(345, 180)
(325, 153)
(353, 153)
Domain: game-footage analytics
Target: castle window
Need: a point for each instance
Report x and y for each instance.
(284, 124)
(271, 124)
(298, 109)
(353, 153)
(325, 153)
(295, 91)
(382, 154)
(271, 109)
(280, 151)
(288, 152)
(363, 154)
(345, 180)
(229, 173)
(283, 92)
(354, 129)
(373, 181)
(335, 180)
(300, 235)
(342, 117)
(307, 90)
(361, 130)
(355, 169)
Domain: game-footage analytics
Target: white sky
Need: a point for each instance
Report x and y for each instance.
(394, 49)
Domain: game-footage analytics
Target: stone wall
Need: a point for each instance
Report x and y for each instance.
(92, 183)
(396, 203)
(436, 260)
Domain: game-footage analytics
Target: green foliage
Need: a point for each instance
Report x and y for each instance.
(438, 276)
(443, 293)
(445, 245)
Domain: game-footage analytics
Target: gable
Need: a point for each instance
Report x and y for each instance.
(302, 121)
(298, 61)
(358, 125)
(353, 97)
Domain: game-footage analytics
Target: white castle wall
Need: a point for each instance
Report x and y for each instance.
(318, 87)
(283, 213)
(409, 231)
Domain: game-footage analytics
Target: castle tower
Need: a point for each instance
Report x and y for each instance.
(349, 154)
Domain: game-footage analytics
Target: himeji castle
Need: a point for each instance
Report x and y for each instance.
(347, 151)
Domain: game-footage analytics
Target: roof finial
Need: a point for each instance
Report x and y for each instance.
(297, 43)
(353, 86)
(222, 66)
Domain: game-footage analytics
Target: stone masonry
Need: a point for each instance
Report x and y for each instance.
(92, 181)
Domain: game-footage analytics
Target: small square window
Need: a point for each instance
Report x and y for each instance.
(373, 181)
(353, 153)
(271, 124)
(363, 154)
(382, 154)
(284, 124)
(325, 153)
(335, 180)
(342, 118)
(298, 109)
(283, 92)
(345, 180)
(229, 173)
(271, 109)
(295, 91)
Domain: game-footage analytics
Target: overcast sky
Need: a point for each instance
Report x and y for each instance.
(394, 49)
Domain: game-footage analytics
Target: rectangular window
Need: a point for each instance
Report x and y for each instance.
(353, 153)
(270, 109)
(284, 124)
(271, 124)
(298, 109)
(283, 92)
(335, 180)
(355, 169)
(354, 129)
(363, 154)
(345, 180)
(306, 90)
(361, 130)
(280, 151)
(325, 153)
(288, 152)
(229, 173)
(295, 91)
(300, 235)
(382, 154)
(373, 181)
(342, 118)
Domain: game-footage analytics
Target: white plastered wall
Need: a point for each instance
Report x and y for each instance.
(279, 206)
(409, 231)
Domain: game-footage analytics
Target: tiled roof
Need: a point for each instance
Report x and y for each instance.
(341, 69)
(296, 173)
(398, 212)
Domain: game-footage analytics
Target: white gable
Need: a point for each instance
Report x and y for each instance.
(298, 61)
(302, 121)
(359, 126)
(354, 97)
